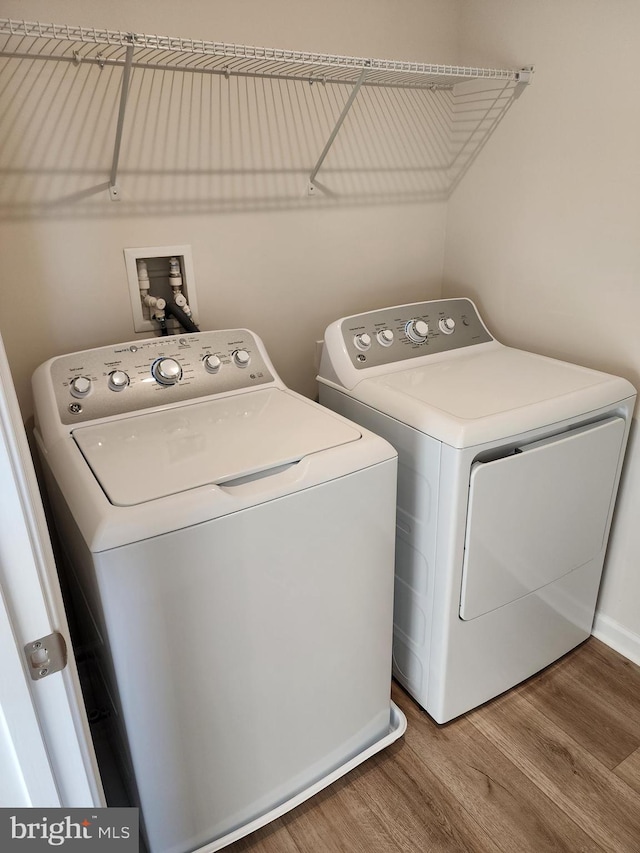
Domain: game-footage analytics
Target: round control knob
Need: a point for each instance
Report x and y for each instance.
(118, 380)
(166, 371)
(241, 357)
(80, 386)
(211, 363)
(417, 331)
(447, 325)
(362, 341)
(385, 337)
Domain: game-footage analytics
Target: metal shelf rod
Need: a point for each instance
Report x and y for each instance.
(114, 190)
(336, 129)
(223, 71)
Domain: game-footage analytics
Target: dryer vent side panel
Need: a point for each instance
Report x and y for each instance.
(539, 514)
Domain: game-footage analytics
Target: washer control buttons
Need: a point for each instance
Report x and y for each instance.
(211, 363)
(241, 358)
(447, 325)
(166, 371)
(417, 331)
(385, 337)
(362, 341)
(80, 386)
(118, 380)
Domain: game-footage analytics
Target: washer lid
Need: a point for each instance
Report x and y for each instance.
(153, 455)
(472, 398)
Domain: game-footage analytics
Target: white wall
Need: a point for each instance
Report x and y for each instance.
(284, 269)
(543, 232)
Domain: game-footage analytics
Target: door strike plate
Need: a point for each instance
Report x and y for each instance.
(46, 655)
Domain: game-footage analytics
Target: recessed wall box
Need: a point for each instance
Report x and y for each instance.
(157, 261)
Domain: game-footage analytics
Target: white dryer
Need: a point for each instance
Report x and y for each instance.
(232, 543)
(508, 469)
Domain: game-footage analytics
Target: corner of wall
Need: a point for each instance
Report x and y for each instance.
(618, 637)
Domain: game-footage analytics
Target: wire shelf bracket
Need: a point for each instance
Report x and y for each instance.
(114, 189)
(312, 187)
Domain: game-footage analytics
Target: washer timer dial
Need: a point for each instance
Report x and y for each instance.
(166, 371)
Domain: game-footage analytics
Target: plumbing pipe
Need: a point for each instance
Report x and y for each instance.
(143, 277)
(175, 311)
(181, 301)
(158, 303)
(175, 282)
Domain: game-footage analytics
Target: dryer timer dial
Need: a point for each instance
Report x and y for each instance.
(417, 331)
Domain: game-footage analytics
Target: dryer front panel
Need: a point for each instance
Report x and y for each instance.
(538, 514)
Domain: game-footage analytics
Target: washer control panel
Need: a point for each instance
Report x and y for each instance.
(131, 377)
(410, 331)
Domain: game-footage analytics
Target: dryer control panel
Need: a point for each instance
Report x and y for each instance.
(411, 331)
(139, 375)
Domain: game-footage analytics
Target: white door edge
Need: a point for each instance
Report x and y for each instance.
(32, 608)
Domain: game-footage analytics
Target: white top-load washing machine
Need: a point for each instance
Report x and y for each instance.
(508, 469)
(233, 543)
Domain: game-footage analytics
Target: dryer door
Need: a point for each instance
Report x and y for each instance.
(538, 514)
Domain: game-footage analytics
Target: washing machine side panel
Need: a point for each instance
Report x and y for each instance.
(77, 572)
(253, 652)
(416, 527)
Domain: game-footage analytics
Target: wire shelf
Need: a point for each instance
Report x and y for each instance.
(390, 129)
(61, 41)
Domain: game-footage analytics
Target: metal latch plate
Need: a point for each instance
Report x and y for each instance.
(46, 655)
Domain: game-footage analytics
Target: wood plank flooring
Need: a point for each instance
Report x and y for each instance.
(552, 766)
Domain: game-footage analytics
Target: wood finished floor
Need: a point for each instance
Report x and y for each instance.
(553, 766)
